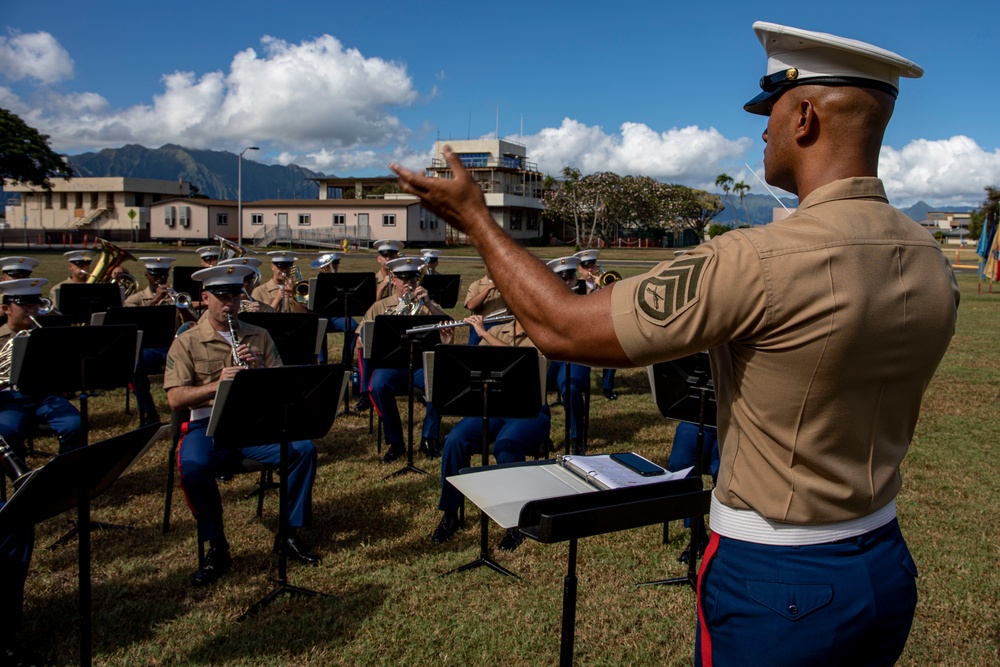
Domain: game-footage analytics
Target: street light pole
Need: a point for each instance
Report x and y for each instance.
(239, 191)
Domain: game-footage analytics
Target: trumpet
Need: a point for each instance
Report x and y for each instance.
(296, 287)
(487, 321)
(604, 278)
(179, 299)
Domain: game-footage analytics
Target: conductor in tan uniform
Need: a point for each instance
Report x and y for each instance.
(824, 330)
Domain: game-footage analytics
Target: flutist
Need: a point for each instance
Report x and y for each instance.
(198, 359)
(21, 299)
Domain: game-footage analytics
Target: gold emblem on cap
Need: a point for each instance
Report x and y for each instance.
(791, 74)
(562, 261)
(34, 283)
(229, 270)
(20, 260)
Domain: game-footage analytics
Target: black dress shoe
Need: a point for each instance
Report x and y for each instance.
(511, 539)
(363, 404)
(445, 529)
(217, 561)
(297, 550)
(429, 448)
(394, 452)
(610, 394)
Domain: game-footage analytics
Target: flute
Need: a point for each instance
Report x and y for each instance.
(487, 321)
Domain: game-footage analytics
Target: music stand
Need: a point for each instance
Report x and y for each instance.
(81, 300)
(395, 345)
(260, 413)
(155, 322)
(294, 334)
(342, 295)
(465, 380)
(442, 288)
(56, 320)
(72, 480)
(183, 282)
(684, 391)
(57, 360)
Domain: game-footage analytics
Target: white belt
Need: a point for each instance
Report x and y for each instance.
(749, 526)
(200, 413)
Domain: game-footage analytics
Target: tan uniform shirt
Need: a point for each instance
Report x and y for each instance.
(508, 334)
(197, 357)
(143, 298)
(493, 302)
(266, 292)
(383, 285)
(824, 329)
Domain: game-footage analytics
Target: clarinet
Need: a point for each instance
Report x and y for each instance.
(235, 341)
(12, 464)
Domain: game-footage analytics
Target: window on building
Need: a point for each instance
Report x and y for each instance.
(48, 199)
(389, 220)
(222, 219)
(515, 220)
(305, 219)
(63, 200)
(339, 219)
(334, 193)
(93, 200)
(110, 200)
(532, 222)
(256, 218)
(475, 159)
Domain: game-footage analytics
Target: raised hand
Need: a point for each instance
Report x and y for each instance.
(455, 200)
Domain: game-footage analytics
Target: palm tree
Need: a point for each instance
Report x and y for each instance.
(742, 189)
(725, 181)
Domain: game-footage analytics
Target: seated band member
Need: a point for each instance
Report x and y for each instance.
(330, 263)
(431, 257)
(483, 299)
(277, 292)
(78, 266)
(250, 282)
(16, 546)
(16, 268)
(198, 359)
(589, 274)
(208, 255)
(388, 383)
(387, 251)
(573, 389)
(20, 304)
(512, 439)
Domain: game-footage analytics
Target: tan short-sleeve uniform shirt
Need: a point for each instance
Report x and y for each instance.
(143, 298)
(493, 302)
(823, 329)
(197, 357)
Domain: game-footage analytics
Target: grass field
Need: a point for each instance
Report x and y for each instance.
(388, 604)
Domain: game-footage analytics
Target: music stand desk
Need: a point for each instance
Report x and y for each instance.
(295, 335)
(442, 288)
(81, 300)
(155, 322)
(342, 294)
(72, 480)
(569, 518)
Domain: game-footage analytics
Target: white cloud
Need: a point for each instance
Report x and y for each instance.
(945, 172)
(35, 56)
(306, 96)
(689, 155)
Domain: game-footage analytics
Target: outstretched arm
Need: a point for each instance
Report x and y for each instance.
(562, 324)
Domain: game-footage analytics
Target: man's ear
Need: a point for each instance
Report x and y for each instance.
(807, 122)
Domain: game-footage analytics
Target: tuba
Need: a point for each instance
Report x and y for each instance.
(230, 249)
(109, 259)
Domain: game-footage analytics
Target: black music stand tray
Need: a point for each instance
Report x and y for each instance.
(465, 379)
(294, 334)
(568, 518)
(342, 295)
(276, 405)
(155, 322)
(56, 360)
(183, 282)
(684, 391)
(442, 288)
(72, 480)
(393, 347)
(81, 300)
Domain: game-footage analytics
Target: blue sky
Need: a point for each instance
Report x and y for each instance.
(647, 88)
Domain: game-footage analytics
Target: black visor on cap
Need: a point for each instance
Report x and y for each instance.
(23, 300)
(18, 273)
(776, 84)
(283, 265)
(220, 290)
(405, 275)
(80, 262)
(589, 262)
(388, 253)
(569, 273)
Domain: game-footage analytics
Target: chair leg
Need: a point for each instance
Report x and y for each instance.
(266, 479)
(127, 397)
(379, 450)
(168, 498)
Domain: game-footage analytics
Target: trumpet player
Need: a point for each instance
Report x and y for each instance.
(78, 269)
(208, 255)
(198, 359)
(21, 299)
(590, 276)
(158, 291)
(431, 257)
(388, 383)
(387, 251)
(277, 292)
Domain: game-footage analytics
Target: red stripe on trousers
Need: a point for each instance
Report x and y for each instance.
(706, 639)
(180, 474)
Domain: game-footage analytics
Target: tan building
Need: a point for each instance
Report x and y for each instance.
(192, 219)
(512, 185)
(109, 207)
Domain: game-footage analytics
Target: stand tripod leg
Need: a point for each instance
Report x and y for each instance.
(569, 609)
(484, 560)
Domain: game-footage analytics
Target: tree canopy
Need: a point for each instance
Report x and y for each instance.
(25, 156)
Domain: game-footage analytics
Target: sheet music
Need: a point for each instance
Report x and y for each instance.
(606, 473)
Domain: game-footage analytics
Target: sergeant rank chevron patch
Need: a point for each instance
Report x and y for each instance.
(664, 294)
